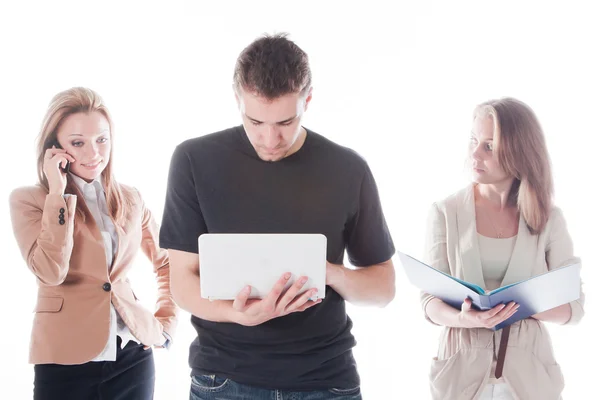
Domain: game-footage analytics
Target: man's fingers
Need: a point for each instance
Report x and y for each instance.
(307, 305)
(301, 300)
(240, 300)
(291, 293)
(273, 296)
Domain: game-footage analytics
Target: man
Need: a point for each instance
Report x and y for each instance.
(272, 175)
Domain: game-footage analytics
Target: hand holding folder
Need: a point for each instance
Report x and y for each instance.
(534, 295)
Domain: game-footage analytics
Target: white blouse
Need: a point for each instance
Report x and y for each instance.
(95, 199)
(495, 257)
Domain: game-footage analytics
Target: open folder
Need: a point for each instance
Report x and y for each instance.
(534, 295)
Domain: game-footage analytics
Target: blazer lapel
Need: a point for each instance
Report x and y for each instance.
(470, 257)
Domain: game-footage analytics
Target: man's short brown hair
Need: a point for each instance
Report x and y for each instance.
(272, 66)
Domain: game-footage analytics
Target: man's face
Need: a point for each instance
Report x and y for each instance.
(273, 126)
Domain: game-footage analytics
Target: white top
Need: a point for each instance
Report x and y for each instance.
(495, 257)
(95, 199)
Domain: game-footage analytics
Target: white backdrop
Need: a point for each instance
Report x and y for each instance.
(397, 81)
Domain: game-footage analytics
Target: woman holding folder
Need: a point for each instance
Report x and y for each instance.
(79, 231)
(501, 229)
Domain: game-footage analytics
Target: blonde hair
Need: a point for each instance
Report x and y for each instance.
(66, 103)
(520, 149)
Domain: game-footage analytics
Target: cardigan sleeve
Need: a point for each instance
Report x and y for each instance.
(559, 253)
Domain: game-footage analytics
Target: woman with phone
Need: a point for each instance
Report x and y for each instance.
(501, 229)
(79, 232)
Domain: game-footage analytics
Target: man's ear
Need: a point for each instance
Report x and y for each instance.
(308, 98)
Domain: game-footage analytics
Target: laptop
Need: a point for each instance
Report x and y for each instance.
(231, 261)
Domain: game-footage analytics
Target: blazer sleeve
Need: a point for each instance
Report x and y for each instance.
(45, 242)
(436, 249)
(559, 253)
(166, 309)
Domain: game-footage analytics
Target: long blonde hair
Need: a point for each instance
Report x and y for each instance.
(73, 101)
(520, 148)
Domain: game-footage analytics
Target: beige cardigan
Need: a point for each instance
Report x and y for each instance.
(462, 367)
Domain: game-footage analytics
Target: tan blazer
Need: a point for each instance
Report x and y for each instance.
(75, 289)
(465, 356)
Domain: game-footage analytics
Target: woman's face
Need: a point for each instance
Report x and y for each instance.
(86, 137)
(486, 168)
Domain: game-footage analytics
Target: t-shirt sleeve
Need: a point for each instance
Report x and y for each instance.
(182, 221)
(368, 239)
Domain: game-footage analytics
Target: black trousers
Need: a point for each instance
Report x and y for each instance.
(130, 377)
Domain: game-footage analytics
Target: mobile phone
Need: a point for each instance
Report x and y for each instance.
(68, 165)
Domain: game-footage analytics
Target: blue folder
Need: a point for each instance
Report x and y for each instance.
(534, 295)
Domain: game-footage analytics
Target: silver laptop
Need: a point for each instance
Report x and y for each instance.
(229, 262)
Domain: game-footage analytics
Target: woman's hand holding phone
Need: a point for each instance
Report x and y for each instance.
(55, 164)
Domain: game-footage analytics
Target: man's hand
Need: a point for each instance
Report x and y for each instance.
(252, 312)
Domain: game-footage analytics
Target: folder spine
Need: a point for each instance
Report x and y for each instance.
(485, 302)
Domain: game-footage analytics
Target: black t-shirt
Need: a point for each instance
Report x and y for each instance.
(218, 184)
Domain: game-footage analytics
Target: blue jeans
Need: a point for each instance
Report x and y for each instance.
(210, 387)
